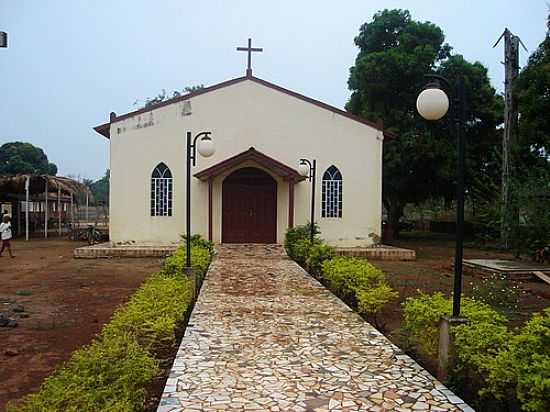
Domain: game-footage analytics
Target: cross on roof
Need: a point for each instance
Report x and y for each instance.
(249, 49)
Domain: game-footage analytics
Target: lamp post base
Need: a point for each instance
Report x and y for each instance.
(447, 353)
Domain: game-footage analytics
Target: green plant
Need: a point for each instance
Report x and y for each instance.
(108, 375)
(523, 366)
(198, 241)
(319, 253)
(296, 234)
(175, 263)
(358, 282)
(422, 315)
(153, 312)
(111, 374)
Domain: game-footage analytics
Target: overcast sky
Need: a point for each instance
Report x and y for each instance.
(71, 62)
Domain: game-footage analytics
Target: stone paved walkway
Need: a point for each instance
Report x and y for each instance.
(265, 336)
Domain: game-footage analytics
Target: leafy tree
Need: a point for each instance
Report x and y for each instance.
(533, 90)
(19, 157)
(394, 54)
(100, 188)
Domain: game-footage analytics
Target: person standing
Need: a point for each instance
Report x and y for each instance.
(6, 235)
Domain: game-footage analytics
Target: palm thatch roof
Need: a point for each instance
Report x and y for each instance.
(15, 184)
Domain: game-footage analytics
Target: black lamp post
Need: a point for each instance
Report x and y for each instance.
(206, 149)
(432, 104)
(3, 39)
(308, 169)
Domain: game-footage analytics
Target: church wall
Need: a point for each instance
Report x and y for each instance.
(240, 116)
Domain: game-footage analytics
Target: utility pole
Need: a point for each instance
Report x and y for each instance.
(510, 135)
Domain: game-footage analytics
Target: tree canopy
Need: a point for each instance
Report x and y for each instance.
(100, 188)
(395, 52)
(19, 158)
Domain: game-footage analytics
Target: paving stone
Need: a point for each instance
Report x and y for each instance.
(264, 335)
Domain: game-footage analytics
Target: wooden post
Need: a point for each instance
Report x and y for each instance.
(87, 206)
(46, 210)
(72, 212)
(510, 135)
(58, 211)
(27, 184)
(291, 204)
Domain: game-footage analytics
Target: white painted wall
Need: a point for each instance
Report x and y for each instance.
(240, 116)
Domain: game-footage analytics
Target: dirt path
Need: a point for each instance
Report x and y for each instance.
(67, 301)
(266, 336)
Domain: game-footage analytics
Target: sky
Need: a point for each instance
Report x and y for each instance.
(71, 62)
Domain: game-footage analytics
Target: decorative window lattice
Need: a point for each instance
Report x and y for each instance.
(161, 191)
(331, 201)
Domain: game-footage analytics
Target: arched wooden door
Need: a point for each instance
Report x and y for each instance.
(249, 207)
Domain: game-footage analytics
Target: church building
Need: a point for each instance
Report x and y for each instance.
(250, 189)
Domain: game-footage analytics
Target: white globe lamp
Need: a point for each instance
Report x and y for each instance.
(432, 104)
(206, 147)
(303, 169)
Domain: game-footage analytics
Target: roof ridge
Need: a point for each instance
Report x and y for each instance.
(104, 129)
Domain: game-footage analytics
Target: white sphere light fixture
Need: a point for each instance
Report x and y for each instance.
(432, 104)
(206, 147)
(303, 169)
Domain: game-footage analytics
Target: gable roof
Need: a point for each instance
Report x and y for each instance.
(271, 164)
(104, 129)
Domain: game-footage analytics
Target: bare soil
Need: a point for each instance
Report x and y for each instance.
(67, 301)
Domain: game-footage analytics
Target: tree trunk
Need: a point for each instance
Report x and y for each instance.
(395, 212)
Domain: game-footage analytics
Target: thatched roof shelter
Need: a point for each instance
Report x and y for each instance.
(37, 185)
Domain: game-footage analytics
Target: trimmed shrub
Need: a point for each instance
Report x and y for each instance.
(154, 310)
(175, 263)
(356, 280)
(108, 375)
(296, 234)
(523, 366)
(422, 315)
(199, 241)
(319, 253)
(111, 373)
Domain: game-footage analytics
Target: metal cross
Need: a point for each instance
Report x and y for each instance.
(249, 49)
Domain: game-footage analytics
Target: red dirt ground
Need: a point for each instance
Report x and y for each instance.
(68, 300)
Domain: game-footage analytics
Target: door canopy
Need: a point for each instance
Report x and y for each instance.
(274, 166)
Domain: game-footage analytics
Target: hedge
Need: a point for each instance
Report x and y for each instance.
(354, 280)
(111, 373)
(510, 365)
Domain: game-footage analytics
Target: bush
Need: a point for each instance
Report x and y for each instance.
(175, 263)
(498, 292)
(356, 280)
(293, 235)
(111, 373)
(318, 253)
(108, 375)
(523, 366)
(199, 241)
(422, 315)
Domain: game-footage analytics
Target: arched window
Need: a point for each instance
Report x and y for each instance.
(161, 191)
(331, 202)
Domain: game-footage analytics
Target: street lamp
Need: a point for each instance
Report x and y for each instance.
(432, 104)
(308, 170)
(206, 148)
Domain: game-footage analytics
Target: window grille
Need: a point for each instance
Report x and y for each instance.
(161, 191)
(331, 200)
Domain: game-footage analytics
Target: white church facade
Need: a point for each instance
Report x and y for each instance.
(249, 190)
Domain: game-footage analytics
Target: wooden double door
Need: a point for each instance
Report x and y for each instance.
(249, 207)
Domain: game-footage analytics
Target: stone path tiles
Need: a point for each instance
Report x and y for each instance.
(265, 336)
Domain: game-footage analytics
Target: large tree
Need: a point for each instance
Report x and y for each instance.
(100, 188)
(19, 157)
(394, 54)
(533, 89)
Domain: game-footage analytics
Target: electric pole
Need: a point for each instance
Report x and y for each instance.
(510, 135)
